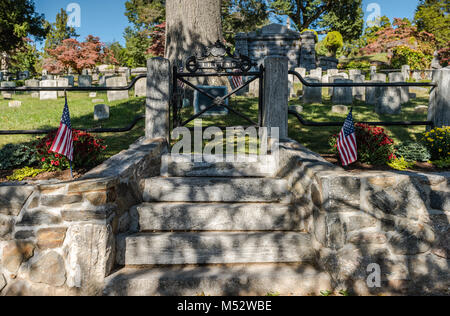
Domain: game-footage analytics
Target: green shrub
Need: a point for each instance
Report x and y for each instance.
(27, 172)
(321, 50)
(20, 83)
(400, 164)
(14, 156)
(403, 55)
(333, 42)
(354, 64)
(443, 163)
(412, 151)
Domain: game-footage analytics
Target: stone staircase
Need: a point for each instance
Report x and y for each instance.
(216, 228)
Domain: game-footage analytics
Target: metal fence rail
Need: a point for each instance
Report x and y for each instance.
(76, 89)
(361, 84)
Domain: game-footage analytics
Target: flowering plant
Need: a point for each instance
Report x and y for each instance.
(87, 151)
(375, 147)
(438, 142)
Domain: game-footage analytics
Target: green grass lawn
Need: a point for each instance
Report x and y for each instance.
(36, 114)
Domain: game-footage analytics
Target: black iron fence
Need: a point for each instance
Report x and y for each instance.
(76, 89)
(360, 84)
(218, 101)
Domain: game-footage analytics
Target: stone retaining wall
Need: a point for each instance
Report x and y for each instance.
(398, 220)
(58, 238)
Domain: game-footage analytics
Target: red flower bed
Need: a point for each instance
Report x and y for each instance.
(87, 151)
(375, 147)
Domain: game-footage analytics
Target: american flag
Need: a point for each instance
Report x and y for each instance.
(63, 143)
(236, 81)
(347, 146)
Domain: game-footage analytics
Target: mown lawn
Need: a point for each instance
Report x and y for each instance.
(36, 114)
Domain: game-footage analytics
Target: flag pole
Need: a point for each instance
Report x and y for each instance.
(70, 162)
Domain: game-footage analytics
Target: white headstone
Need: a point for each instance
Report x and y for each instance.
(48, 95)
(140, 88)
(117, 95)
(15, 104)
(84, 81)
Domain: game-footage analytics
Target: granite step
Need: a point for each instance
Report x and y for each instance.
(214, 248)
(215, 166)
(236, 280)
(219, 217)
(229, 190)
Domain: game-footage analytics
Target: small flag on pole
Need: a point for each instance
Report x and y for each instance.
(236, 81)
(63, 143)
(348, 149)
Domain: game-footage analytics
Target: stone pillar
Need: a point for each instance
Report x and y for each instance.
(276, 94)
(439, 109)
(308, 50)
(159, 76)
(404, 91)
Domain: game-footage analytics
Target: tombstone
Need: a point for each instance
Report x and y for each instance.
(296, 108)
(378, 77)
(101, 112)
(344, 75)
(120, 94)
(62, 83)
(23, 75)
(406, 71)
(417, 76)
(404, 91)
(342, 95)
(125, 71)
(340, 109)
(332, 72)
(389, 101)
(331, 79)
(140, 88)
(95, 77)
(35, 95)
(421, 109)
(359, 93)
(85, 72)
(50, 77)
(254, 88)
(7, 96)
(302, 72)
(84, 81)
(97, 100)
(353, 72)
(201, 101)
(8, 84)
(325, 78)
(103, 68)
(48, 95)
(312, 94)
(316, 73)
(15, 104)
(1, 76)
(93, 94)
(139, 71)
(373, 93)
(373, 70)
(102, 80)
(71, 80)
(32, 83)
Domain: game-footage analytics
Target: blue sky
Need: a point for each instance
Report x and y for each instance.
(106, 19)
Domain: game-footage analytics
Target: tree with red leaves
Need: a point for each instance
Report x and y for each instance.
(402, 33)
(75, 55)
(158, 41)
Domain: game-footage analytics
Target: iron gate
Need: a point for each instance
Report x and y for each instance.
(224, 64)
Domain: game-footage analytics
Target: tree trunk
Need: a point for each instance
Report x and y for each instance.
(192, 25)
